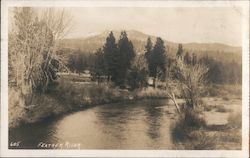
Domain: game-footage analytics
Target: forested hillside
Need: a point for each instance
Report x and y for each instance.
(218, 51)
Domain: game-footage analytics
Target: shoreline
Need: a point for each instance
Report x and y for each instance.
(69, 97)
(39, 118)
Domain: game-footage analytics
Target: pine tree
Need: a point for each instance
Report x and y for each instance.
(179, 53)
(187, 58)
(111, 56)
(194, 59)
(158, 58)
(148, 55)
(99, 67)
(148, 48)
(126, 54)
(126, 49)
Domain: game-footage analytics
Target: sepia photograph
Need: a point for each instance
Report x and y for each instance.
(153, 76)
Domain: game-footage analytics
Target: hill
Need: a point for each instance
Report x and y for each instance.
(91, 43)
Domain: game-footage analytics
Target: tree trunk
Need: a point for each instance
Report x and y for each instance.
(172, 97)
(176, 105)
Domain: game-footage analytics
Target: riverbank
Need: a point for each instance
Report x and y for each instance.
(219, 128)
(129, 120)
(67, 96)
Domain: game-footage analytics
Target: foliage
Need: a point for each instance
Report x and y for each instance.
(222, 73)
(148, 55)
(151, 93)
(79, 61)
(156, 58)
(111, 56)
(137, 76)
(16, 107)
(235, 120)
(99, 66)
(126, 54)
(189, 121)
(180, 52)
(190, 79)
(118, 57)
(32, 60)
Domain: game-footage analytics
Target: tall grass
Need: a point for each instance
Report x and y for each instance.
(61, 97)
(234, 120)
(188, 132)
(76, 94)
(151, 93)
(16, 107)
(187, 122)
(191, 132)
(225, 91)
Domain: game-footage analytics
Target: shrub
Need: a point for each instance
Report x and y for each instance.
(190, 120)
(208, 108)
(226, 98)
(228, 91)
(200, 140)
(85, 94)
(16, 107)
(222, 109)
(234, 120)
(151, 93)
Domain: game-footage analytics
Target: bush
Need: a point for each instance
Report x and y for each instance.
(16, 107)
(151, 93)
(234, 120)
(222, 109)
(208, 108)
(200, 140)
(227, 91)
(189, 132)
(190, 120)
(76, 95)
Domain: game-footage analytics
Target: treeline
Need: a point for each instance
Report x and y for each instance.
(119, 63)
(218, 72)
(79, 61)
(222, 72)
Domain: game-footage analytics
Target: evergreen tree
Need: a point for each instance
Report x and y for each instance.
(179, 53)
(148, 48)
(111, 57)
(148, 55)
(99, 67)
(187, 58)
(126, 49)
(194, 59)
(126, 54)
(158, 58)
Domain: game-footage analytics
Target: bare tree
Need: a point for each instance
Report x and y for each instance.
(191, 78)
(32, 47)
(186, 79)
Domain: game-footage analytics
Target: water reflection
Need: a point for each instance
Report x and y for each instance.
(154, 115)
(113, 120)
(31, 134)
(139, 125)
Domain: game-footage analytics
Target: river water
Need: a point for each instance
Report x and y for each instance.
(141, 124)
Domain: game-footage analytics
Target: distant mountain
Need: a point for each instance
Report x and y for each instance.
(94, 41)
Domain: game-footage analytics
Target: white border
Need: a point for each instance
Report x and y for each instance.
(124, 153)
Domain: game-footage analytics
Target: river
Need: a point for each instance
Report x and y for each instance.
(141, 124)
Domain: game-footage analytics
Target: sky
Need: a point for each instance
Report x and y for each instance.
(182, 25)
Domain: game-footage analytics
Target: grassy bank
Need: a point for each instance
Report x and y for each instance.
(66, 96)
(201, 136)
(218, 128)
